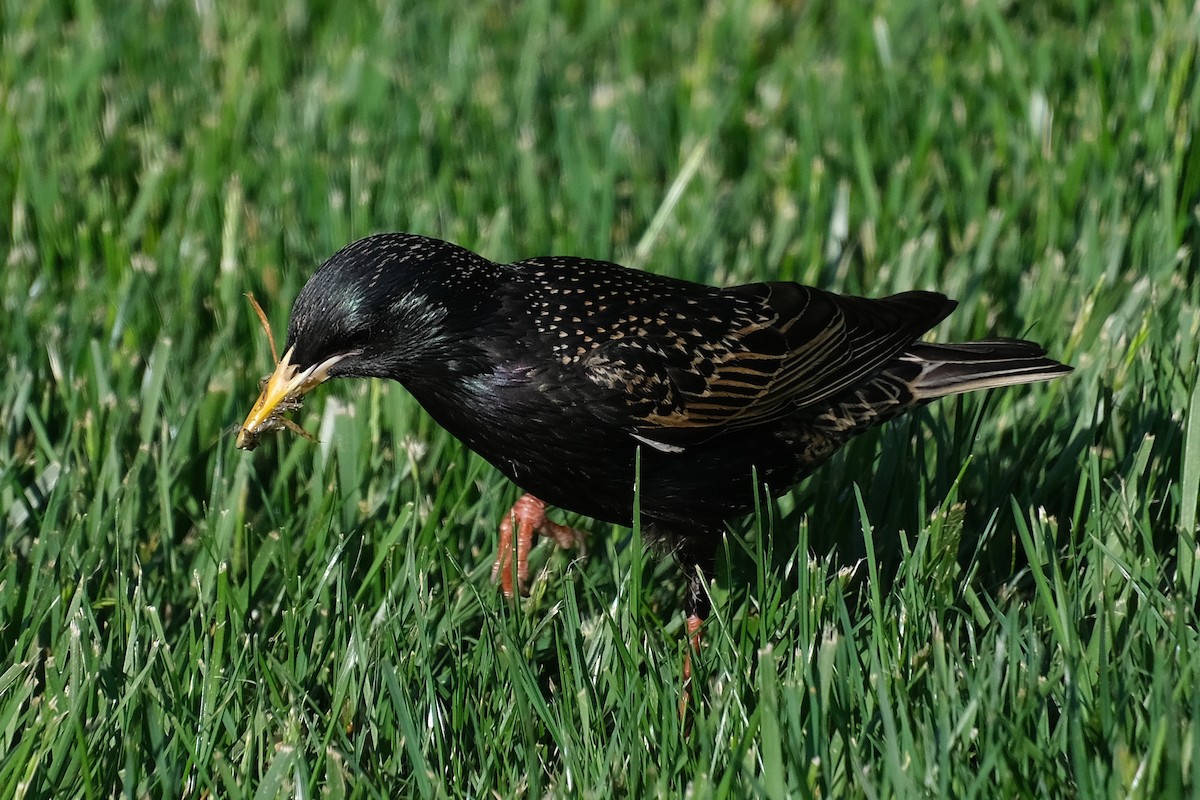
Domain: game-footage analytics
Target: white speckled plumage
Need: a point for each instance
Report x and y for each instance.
(559, 370)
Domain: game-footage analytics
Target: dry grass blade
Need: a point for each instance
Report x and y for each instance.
(266, 324)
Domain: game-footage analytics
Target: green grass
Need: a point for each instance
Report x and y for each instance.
(993, 598)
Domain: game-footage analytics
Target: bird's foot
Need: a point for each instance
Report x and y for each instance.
(693, 633)
(528, 516)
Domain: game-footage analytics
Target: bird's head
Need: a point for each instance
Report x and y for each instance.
(374, 309)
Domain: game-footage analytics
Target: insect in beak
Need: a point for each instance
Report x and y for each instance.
(281, 391)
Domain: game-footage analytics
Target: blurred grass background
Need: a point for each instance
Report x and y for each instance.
(178, 618)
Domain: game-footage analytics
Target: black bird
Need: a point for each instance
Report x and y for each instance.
(559, 370)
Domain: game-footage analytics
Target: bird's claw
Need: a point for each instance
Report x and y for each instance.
(529, 516)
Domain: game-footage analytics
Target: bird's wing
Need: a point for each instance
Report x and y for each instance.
(692, 367)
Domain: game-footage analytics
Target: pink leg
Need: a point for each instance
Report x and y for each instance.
(529, 514)
(693, 633)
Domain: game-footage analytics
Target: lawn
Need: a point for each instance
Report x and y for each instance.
(994, 597)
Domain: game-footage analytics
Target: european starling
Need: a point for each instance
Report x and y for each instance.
(560, 370)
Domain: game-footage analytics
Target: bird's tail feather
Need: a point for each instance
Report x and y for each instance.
(925, 372)
(946, 369)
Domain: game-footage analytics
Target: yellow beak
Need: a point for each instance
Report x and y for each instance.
(282, 393)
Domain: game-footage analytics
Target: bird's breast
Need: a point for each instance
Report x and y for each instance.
(538, 434)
